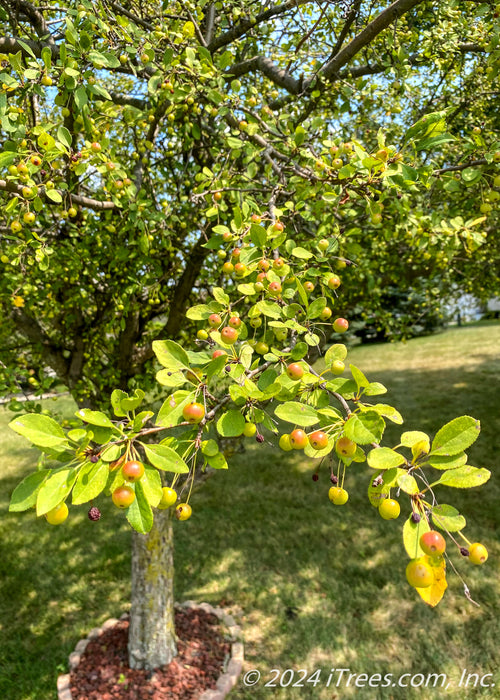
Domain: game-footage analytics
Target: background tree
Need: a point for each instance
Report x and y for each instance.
(135, 140)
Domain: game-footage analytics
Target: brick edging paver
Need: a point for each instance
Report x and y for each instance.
(226, 681)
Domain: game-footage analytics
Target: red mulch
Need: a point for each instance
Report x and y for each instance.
(103, 672)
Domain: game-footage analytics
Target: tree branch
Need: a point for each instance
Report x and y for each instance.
(277, 75)
(13, 187)
(375, 27)
(242, 27)
(462, 166)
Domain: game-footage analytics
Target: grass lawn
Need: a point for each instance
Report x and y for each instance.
(315, 586)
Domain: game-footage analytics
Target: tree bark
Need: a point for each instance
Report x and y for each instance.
(152, 640)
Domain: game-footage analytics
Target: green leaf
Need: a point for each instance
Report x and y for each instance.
(151, 485)
(335, 352)
(54, 196)
(94, 417)
(25, 493)
(112, 453)
(55, 489)
(64, 136)
(209, 448)
(91, 481)
(316, 307)
(447, 517)
(375, 389)
(384, 458)
(297, 413)
(116, 397)
(412, 437)
(80, 97)
(408, 484)
(40, 430)
(301, 253)
(139, 513)
(412, 532)
(359, 377)
(388, 412)
(165, 458)
(166, 377)
(456, 436)
(170, 355)
(465, 477)
(200, 312)
(220, 296)
(364, 428)
(269, 308)
(231, 424)
(218, 461)
(47, 57)
(443, 462)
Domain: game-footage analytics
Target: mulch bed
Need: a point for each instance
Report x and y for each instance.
(103, 672)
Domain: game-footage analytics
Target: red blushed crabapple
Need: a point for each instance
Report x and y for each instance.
(478, 553)
(389, 509)
(274, 289)
(236, 252)
(214, 320)
(278, 226)
(419, 574)
(57, 515)
(318, 440)
(432, 543)
(298, 439)
(217, 196)
(123, 496)
(240, 269)
(345, 447)
(234, 322)
(193, 412)
(183, 511)
(284, 443)
(218, 353)
(264, 265)
(168, 498)
(229, 335)
(256, 219)
(340, 325)
(295, 371)
(227, 236)
(338, 496)
(278, 263)
(334, 282)
(132, 470)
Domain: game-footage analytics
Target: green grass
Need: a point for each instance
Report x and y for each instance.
(315, 586)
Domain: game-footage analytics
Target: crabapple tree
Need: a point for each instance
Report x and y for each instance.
(196, 199)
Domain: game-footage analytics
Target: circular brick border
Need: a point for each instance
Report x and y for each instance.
(226, 681)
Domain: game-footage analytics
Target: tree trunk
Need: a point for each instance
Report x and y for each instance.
(152, 640)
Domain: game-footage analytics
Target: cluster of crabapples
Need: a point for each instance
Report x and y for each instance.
(420, 572)
(123, 496)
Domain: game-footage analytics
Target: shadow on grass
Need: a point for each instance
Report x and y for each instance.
(317, 586)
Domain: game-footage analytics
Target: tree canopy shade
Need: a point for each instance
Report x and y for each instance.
(122, 126)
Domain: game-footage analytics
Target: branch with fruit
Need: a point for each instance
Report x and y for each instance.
(250, 375)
